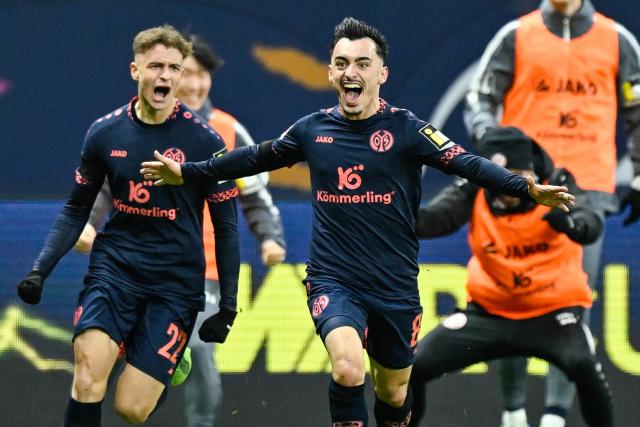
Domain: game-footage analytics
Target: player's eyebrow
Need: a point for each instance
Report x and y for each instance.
(358, 59)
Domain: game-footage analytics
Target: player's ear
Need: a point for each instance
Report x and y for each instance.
(135, 74)
(384, 75)
(329, 72)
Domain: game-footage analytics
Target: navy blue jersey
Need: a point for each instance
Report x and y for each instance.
(152, 241)
(366, 184)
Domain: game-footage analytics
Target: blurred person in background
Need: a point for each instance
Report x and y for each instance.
(203, 389)
(560, 74)
(526, 288)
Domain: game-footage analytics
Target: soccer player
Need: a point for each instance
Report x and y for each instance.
(571, 111)
(526, 287)
(144, 286)
(203, 388)
(365, 158)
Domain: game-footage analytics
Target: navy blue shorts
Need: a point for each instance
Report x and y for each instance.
(388, 328)
(152, 331)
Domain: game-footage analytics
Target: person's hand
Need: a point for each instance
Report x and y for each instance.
(560, 221)
(30, 289)
(85, 241)
(162, 171)
(271, 252)
(217, 327)
(550, 195)
(632, 199)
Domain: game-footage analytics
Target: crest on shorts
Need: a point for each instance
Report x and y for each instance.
(77, 314)
(319, 304)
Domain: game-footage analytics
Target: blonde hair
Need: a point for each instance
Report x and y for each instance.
(165, 35)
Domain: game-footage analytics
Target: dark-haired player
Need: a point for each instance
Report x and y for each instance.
(144, 287)
(365, 158)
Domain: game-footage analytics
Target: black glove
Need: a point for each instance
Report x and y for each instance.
(30, 289)
(217, 327)
(560, 221)
(632, 199)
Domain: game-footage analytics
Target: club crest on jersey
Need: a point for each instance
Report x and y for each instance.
(175, 154)
(381, 141)
(435, 137)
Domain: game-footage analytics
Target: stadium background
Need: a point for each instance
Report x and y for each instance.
(65, 63)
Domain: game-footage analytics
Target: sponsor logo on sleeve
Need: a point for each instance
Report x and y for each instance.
(437, 138)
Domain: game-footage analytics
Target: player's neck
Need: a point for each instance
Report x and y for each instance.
(151, 116)
(367, 112)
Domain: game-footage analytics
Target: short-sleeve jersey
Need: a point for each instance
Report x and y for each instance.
(152, 241)
(366, 189)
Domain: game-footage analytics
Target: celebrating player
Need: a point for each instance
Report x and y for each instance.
(145, 282)
(365, 158)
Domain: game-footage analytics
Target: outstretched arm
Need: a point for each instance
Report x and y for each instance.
(487, 174)
(244, 161)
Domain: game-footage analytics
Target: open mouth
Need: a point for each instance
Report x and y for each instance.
(352, 92)
(160, 93)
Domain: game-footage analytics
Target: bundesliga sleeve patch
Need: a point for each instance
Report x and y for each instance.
(220, 153)
(631, 91)
(436, 137)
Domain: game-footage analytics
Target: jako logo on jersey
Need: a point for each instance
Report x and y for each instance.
(381, 141)
(573, 86)
(324, 139)
(175, 154)
(319, 304)
(348, 178)
(139, 194)
(118, 153)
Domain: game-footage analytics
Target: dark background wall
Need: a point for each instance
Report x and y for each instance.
(65, 63)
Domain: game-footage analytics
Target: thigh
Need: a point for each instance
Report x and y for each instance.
(95, 354)
(345, 351)
(387, 380)
(157, 342)
(392, 332)
(560, 337)
(137, 389)
(460, 340)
